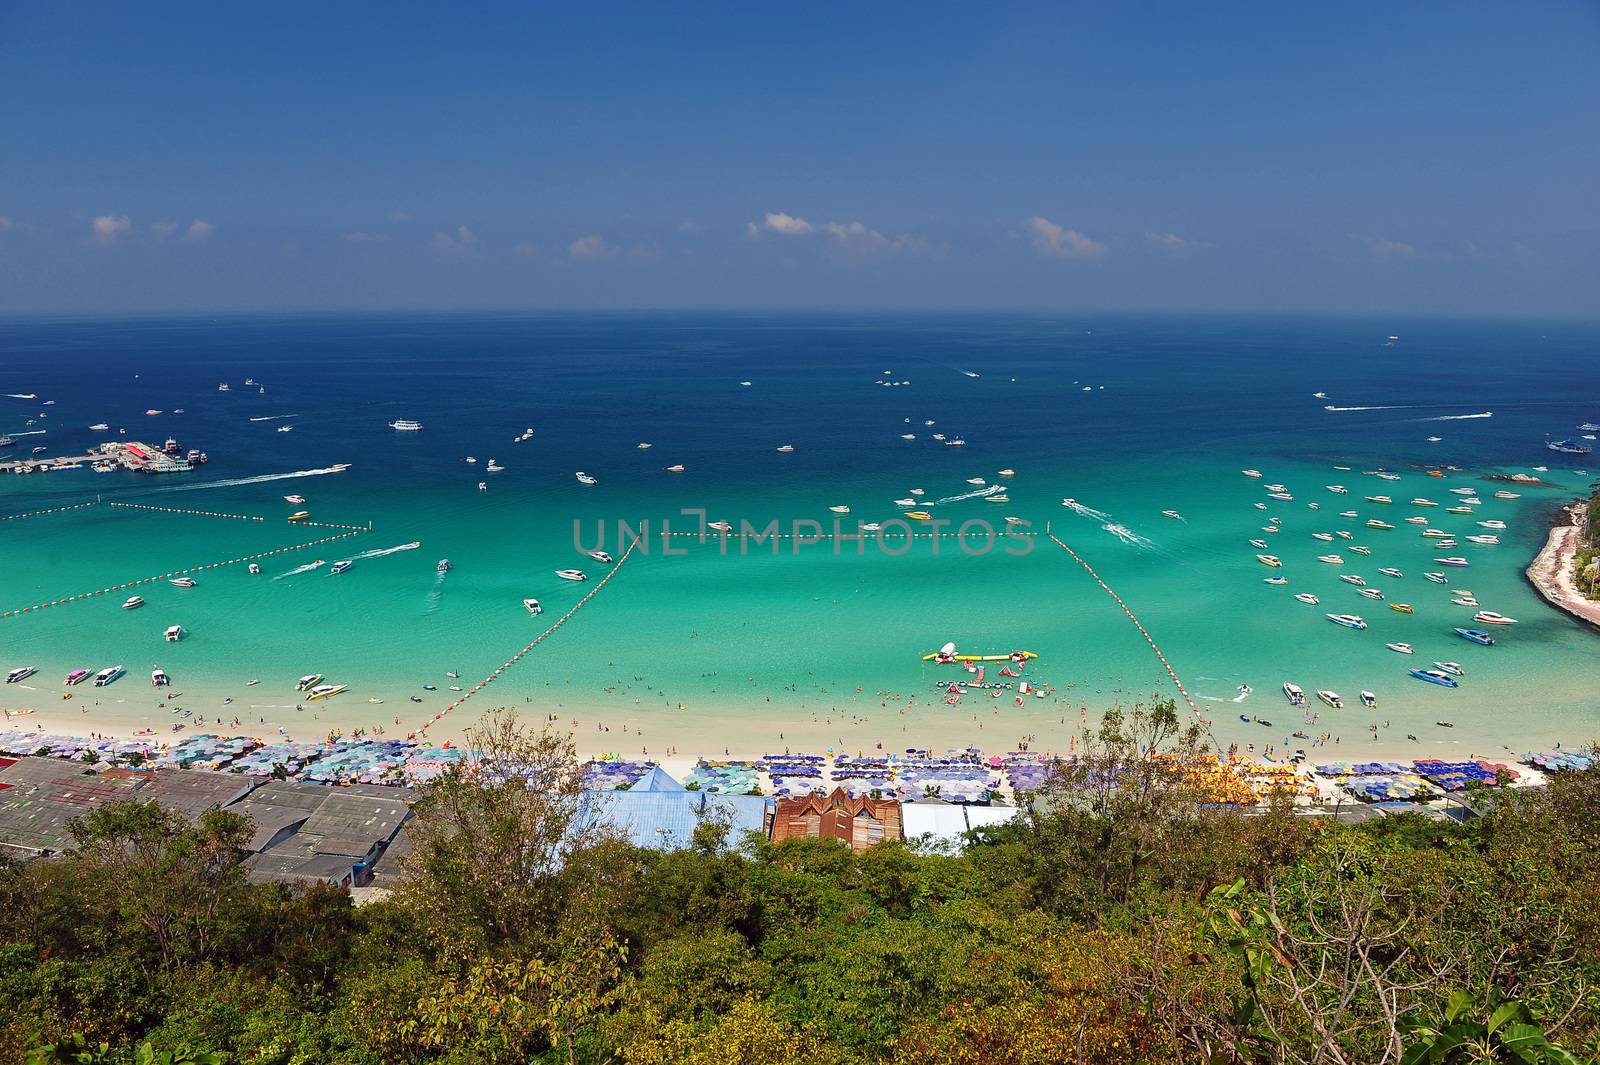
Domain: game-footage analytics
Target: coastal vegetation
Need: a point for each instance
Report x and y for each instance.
(1586, 558)
(1120, 921)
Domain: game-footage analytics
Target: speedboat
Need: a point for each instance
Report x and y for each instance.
(1369, 700)
(1338, 489)
(840, 510)
(1390, 571)
(1351, 578)
(1401, 648)
(1277, 488)
(532, 606)
(1251, 473)
(1260, 506)
(183, 582)
(1347, 514)
(919, 493)
(21, 673)
(786, 448)
(1332, 560)
(1280, 581)
(1270, 529)
(720, 526)
(443, 565)
(1314, 506)
(1453, 668)
(1345, 534)
(1477, 636)
(1379, 499)
(1372, 593)
(1434, 439)
(1416, 519)
(1569, 447)
(327, 691)
(1420, 502)
(1282, 497)
(1402, 608)
(306, 682)
(1444, 545)
(300, 515)
(1466, 599)
(677, 468)
(1502, 494)
(296, 500)
(404, 425)
(1349, 621)
(919, 515)
(1453, 560)
(1437, 578)
(584, 478)
(1006, 473)
(1374, 523)
(1307, 598)
(254, 568)
(285, 428)
(1489, 617)
(99, 427)
(1270, 560)
(873, 526)
(159, 678)
(133, 602)
(600, 556)
(1331, 698)
(1388, 476)
(1262, 544)
(1458, 510)
(1294, 693)
(107, 676)
(1435, 676)
(913, 502)
(341, 566)
(908, 436)
(494, 467)
(77, 676)
(1464, 491)
(1493, 523)
(643, 447)
(1326, 537)
(976, 480)
(1487, 540)
(571, 574)
(174, 633)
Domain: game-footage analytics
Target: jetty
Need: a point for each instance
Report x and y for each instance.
(132, 455)
(1551, 572)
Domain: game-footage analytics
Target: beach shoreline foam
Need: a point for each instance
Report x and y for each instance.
(1550, 572)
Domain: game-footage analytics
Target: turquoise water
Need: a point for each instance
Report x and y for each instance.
(708, 649)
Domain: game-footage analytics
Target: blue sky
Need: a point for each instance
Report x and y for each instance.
(1431, 157)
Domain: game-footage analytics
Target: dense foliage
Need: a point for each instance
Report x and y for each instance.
(1121, 922)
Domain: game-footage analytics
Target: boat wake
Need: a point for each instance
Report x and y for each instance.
(307, 568)
(435, 595)
(1397, 406)
(274, 417)
(30, 432)
(1459, 417)
(263, 478)
(979, 494)
(381, 551)
(1127, 535)
(1086, 512)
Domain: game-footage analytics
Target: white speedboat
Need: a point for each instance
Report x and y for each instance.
(1369, 700)
(1294, 693)
(1261, 544)
(107, 676)
(1260, 506)
(1008, 472)
(340, 566)
(1492, 523)
(917, 491)
(643, 446)
(306, 682)
(1374, 523)
(976, 480)
(1452, 668)
(785, 449)
(1345, 534)
(720, 526)
(908, 436)
(494, 467)
(872, 527)
(1401, 648)
(600, 556)
(584, 478)
(21, 673)
(1325, 537)
(1332, 560)
(1464, 491)
(159, 678)
(99, 427)
(405, 425)
(1487, 540)
(1372, 593)
(483, 486)
(327, 691)
(1307, 598)
(133, 602)
(1349, 621)
(913, 502)
(1347, 514)
(1416, 519)
(532, 606)
(1282, 497)
(183, 582)
(1351, 578)
(572, 574)
(443, 565)
(1251, 473)
(840, 510)
(1489, 617)
(1390, 571)
(1277, 581)
(676, 468)
(1379, 499)
(174, 633)
(1338, 489)
(1453, 560)
(1277, 488)
(254, 568)
(1270, 560)
(1358, 549)
(297, 500)
(1331, 698)
(1421, 502)
(1508, 495)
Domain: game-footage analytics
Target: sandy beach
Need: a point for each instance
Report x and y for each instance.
(1551, 572)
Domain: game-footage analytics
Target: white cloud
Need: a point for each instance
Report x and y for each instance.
(461, 242)
(1175, 245)
(786, 224)
(108, 227)
(525, 250)
(1057, 242)
(163, 230)
(860, 238)
(590, 248)
(1393, 249)
(357, 237)
(199, 231)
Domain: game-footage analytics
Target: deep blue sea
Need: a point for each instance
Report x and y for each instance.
(1128, 415)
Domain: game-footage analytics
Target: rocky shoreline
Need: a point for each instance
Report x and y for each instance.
(1550, 573)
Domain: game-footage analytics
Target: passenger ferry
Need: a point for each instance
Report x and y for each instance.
(107, 676)
(404, 425)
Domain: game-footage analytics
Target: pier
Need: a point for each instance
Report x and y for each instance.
(133, 455)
